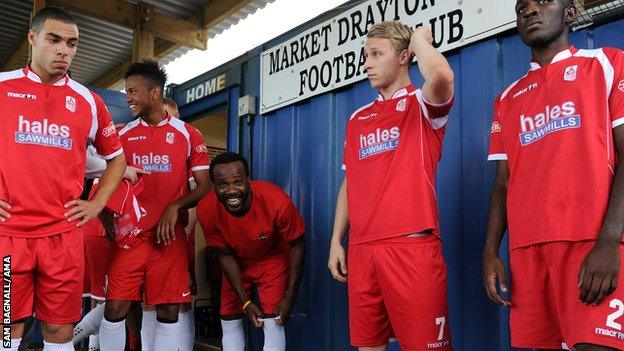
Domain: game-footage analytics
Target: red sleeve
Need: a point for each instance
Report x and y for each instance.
(205, 215)
(436, 114)
(497, 151)
(289, 222)
(198, 158)
(106, 140)
(439, 110)
(616, 98)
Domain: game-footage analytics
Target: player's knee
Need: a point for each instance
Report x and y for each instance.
(592, 347)
(373, 348)
(17, 329)
(57, 333)
(115, 310)
(167, 312)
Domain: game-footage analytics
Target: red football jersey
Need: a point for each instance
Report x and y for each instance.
(271, 223)
(554, 127)
(44, 130)
(392, 150)
(168, 150)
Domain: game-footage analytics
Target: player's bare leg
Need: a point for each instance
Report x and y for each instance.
(57, 333)
(374, 348)
(17, 330)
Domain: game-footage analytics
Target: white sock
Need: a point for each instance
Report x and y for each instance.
(112, 335)
(89, 324)
(94, 342)
(274, 336)
(167, 336)
(148, 327)
(15, 343)
(233, 335)
(187, 330)
(50, 346)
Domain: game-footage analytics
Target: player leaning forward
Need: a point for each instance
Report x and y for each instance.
(397, 275)
(46, 121)
(259, 234)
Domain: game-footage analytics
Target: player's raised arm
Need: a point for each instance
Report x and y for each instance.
(439, 77)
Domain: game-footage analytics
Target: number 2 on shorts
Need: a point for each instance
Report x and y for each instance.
(619, 306)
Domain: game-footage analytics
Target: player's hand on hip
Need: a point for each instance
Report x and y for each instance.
(598, 276)
(254, 315)
(337, 263)
(165, 233)
(493, 272)
(82, 210)
(133, 173)
(283, 310)
(4, 211)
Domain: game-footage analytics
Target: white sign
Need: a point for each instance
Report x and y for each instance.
(330, 55)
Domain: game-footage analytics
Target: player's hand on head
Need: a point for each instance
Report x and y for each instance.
(284, 309)
(4, 211)
(598, 276)
(165, 233)
(337, 263)
(133, 173)
(493, 272)
(82, 210)
(254, 314)
(420, 33)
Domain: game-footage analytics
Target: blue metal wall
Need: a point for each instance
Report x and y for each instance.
(299, 147)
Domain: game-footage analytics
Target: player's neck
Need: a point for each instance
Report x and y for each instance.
(45, 77)
(544, 55)
(401, 82)
(156, 116)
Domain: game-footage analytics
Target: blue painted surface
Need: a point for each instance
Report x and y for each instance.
(299, 147)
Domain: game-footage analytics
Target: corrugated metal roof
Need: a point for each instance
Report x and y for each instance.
(14, 19)
(104, 45)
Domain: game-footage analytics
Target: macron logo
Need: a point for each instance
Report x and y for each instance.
(520, 92)
(22, 95)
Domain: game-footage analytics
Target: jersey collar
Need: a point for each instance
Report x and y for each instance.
(35, 78)
(562, 55)
(399, 93)
(160, 124)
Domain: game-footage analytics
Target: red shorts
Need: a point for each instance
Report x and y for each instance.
(162, 270)
(97, 250)
(545, 306)
(398, 287)
(47, 276)
(271, 279)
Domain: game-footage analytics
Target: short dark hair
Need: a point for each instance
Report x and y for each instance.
(228, 157)
(151, 71)
(51, 13)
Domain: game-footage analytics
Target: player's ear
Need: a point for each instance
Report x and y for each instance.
(405, 57)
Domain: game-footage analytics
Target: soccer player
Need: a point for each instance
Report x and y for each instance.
(168, 148)
(558, 140)
(259, 235)
(48, 117)
(397, 282)
(186, 317)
